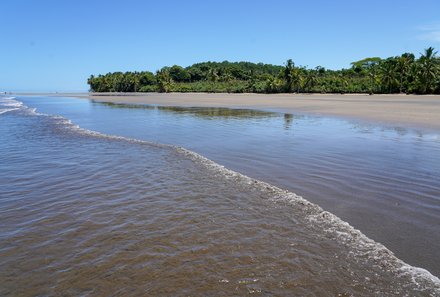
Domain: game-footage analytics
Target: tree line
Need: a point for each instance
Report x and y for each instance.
(399, 74)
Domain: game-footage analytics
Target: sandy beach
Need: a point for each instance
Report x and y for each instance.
(409, 111)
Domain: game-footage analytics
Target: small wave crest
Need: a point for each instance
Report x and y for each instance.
(5, 110)
(66, 124)
(358, 243)
(10, 102)
(6, 98)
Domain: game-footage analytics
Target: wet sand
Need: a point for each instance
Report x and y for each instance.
(410, 111)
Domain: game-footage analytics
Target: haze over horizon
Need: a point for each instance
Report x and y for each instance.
(55, 46)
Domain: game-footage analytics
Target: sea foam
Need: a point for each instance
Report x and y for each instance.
(8, 104)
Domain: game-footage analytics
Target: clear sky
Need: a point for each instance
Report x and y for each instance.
(54, 45)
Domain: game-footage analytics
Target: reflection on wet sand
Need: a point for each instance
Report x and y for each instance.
(203, 112)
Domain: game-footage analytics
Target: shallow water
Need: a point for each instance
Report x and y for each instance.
(384, 181)
(82, 213)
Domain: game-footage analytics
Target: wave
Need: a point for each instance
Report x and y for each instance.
(5, 110)
(11, 104)
(330, 224)
(8, 104)
(358, 243)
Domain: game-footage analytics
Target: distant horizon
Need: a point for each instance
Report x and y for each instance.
(56, 45)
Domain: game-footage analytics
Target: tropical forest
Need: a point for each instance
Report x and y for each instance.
(399, 74)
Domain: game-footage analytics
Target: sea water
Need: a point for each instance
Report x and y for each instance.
(98, 200)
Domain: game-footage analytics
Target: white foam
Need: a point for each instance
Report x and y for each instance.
(7, 98)
(5, 110)
(10, 102)
(355, 240)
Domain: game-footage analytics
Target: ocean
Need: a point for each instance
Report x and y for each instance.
(113, 200)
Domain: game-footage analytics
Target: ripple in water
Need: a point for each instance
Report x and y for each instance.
(82, 213)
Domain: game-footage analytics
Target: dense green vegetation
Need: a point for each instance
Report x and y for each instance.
(400, 74)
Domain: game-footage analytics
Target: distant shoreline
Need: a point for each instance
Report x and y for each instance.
(408, 111)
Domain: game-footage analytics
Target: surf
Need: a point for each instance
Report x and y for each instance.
(354, 240)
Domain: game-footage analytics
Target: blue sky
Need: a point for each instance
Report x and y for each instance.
(49, 45)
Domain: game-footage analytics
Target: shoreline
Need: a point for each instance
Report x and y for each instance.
(360, 248)
(420, 112)
(292, 190)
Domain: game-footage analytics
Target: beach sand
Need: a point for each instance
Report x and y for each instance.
(409, 111)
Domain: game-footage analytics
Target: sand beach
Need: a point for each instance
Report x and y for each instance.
(409, 111)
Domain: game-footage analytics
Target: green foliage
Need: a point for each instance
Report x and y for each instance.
(146, 78)
(164, 80)
(428, 70)
(403, 73)
(288, 75)
(179, 74)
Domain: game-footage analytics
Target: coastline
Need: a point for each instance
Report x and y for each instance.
(420, 112)
(387, 270)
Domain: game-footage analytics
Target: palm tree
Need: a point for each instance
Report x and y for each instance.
(428, 69)
(227, 76)
(272, 85)
(288, 75)
(372, 73)
(342, 79)
(297, 79)
(311, 80)
(388, 74)
(212, 75)
(404, 63)
(134, 80)
(164, 80)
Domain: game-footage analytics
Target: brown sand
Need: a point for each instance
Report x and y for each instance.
(410, 111)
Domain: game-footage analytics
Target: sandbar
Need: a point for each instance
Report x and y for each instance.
(397, 110)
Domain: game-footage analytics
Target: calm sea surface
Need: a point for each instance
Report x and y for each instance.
(101, 200)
